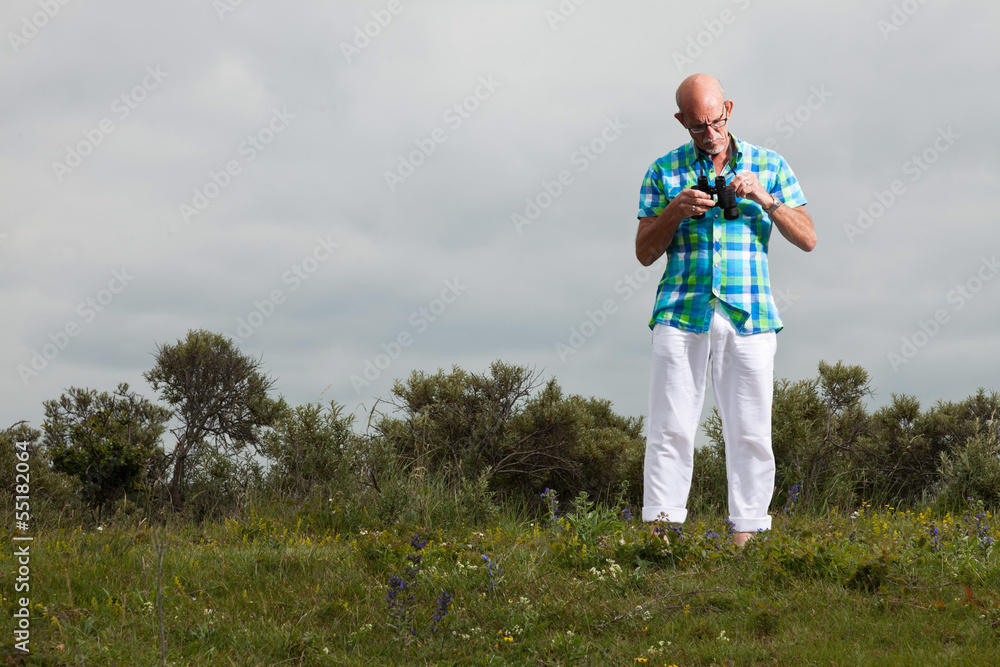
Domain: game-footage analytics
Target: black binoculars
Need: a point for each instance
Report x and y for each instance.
(727, 197)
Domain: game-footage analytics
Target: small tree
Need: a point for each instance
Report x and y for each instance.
(220, 397)
(105, 440)
(310, 445)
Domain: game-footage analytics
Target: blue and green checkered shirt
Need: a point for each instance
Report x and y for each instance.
(714, 257)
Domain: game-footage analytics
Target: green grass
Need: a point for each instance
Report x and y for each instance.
(879, 588)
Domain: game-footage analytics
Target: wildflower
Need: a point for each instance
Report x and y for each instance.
(493, 572)
(397, 604)
(551, 504)
(443, 604)
(793, 496)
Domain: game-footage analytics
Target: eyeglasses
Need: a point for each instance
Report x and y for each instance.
(715, 125)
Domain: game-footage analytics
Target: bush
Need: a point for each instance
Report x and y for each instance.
(594, 450)
(972, 470)
(462, 425)
(311, 446)
(105, 440)
(53, 494)
(220, 483)
(900, 455)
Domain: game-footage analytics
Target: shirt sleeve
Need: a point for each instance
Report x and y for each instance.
(652, 198)
(786, 186)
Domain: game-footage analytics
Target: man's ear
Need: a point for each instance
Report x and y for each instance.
(680, 118)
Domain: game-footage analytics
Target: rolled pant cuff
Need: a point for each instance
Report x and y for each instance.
(671, 514)
(741, 525)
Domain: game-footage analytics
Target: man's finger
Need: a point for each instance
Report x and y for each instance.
(699, 197)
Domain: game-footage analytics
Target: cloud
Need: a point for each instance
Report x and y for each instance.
(558, 85)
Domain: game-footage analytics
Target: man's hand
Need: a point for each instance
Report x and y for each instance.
(656, 233)
(691, 202)
(794, 223)
(746, 185)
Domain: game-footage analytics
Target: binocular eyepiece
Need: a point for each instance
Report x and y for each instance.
(727, 197)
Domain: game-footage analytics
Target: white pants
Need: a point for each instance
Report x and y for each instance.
(743, 382)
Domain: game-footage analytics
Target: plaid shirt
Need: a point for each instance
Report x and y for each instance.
(714, 257)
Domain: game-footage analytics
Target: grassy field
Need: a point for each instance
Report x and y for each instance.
(590, 587)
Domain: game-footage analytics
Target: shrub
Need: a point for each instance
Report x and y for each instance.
(311, 446)
(900, 456)
(220, 483)
(462, 425)
(53, 494)
(593, 449)
(105, 440)
(972, 470)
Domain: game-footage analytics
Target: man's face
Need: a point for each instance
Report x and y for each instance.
(711, 140)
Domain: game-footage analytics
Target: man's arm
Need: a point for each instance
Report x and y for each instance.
(656, 233)
(794, 223)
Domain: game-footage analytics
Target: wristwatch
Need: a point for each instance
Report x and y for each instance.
(773, 207)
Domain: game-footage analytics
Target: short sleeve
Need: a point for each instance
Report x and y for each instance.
(652, 198)
(786, 186)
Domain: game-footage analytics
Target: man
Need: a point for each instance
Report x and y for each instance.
(714, 303)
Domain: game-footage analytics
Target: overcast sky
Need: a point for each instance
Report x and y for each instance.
(451, 183)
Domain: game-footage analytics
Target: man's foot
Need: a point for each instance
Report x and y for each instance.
(659, 531)
(741, 538)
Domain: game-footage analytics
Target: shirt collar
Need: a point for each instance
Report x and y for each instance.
(695, 155)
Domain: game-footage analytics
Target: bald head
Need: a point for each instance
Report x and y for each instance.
(701, 103)
(699, 91)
